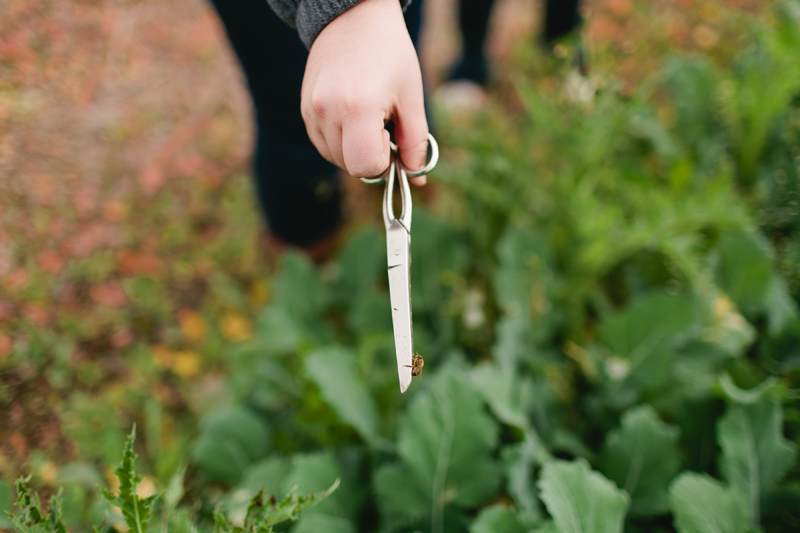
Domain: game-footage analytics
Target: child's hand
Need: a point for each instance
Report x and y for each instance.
(363, 71)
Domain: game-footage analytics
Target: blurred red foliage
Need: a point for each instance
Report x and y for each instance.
(108, 294)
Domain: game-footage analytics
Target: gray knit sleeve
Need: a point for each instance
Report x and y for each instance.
(311, 16)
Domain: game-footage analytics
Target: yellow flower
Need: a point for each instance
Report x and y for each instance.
(193, 325)
(187, 364)
(235, 327)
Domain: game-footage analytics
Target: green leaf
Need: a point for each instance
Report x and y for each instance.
(318, 523)
(313, 472)
(401, 491)
(696, 368)
(509, 395)
(701, 504)
(782, 353)
(523, 290)
(231, 440)
(755, 454)
(693, 83)
(370, 314)
(27, 503)
(221, 523)
(54, 522)
(781, 307)
(135, 510)
(514, 341)
(436, 250)
(298, 288)
(263, 381)
(80, 473)
(519, 460)
(264, 513)
(300, 297)
(444, 442)
(645, 334)
(95, 427)
(580, 500)
(697, 418)
(359, 288)
(181, 521)
(745, 270)
(764, 79)
(547, 527)
(645, 125)
(497, 519)
(174, 491)
(747, 396)
(362, 265)
(306, 502)
(268, 474)
(333, 370)
(279, 331)
(5, 504)
(781, 504)
(642, 458)
(521, 254)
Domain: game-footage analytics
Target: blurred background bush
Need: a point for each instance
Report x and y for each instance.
(605, 282)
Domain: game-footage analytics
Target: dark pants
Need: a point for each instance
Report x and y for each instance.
(560, 18)
(297, 189)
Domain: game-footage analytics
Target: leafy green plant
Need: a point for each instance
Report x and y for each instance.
(580, 500)
(142, 513)
(642, 458)
(231, 439)
(701, 503)
(135, 510)
(264, 513)
(31, 519)
(444, 441)
(755, 455)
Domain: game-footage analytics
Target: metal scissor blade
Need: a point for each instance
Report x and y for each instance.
(399, 262)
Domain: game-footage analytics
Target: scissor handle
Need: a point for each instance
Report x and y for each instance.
(429, 165)
(396, 170)
(395, 155)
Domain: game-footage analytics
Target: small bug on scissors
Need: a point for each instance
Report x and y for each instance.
(416, 365)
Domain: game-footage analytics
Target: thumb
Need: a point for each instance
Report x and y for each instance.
(411, 134)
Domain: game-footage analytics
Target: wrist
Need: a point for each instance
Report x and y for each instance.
(315, 16)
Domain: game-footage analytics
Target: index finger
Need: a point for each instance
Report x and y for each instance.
(365, 146)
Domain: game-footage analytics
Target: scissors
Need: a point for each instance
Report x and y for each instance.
(398, 252)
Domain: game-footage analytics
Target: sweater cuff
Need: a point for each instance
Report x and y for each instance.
(314, 15)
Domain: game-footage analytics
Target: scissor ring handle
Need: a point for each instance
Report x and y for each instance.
(429, 165)
(411, 174)
(379, 179)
